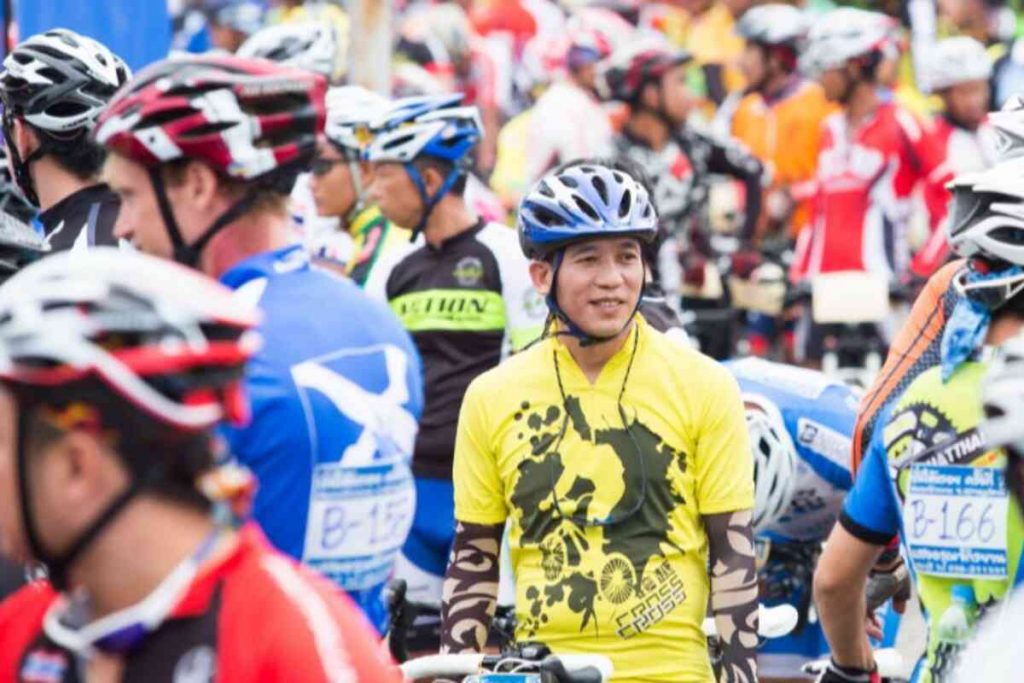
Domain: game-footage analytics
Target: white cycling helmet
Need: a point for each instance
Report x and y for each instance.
(845, 34)
(956, 60)
(317, 46)
(351, 109)
(986, 219)
(1008, 125)
(772, 24)
(1003, 398)
(775, 461)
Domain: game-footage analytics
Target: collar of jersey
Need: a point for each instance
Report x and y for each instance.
(366, 219)
(268, 264)
(200, 594)
(466, 234)
(73, 204)
(612, 373)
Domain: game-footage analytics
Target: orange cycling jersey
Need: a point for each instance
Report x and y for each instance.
(915, 348)
(785, 131)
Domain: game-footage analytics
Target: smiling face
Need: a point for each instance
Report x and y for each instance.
(598, 283)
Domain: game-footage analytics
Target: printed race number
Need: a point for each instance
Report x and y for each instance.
(362, 495)
(954, 519)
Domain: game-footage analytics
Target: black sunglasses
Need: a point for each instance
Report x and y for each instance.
(321, 166)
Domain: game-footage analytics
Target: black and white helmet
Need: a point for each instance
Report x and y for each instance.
(316, 46)
(60, 81)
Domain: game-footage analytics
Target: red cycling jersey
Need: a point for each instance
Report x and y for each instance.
(965, 151)
(863, 195)
(255, 615)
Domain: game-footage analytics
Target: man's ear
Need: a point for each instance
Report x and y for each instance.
(432, 179)
(649, 96)
(540, 274)
(25, 139)
(201, 185)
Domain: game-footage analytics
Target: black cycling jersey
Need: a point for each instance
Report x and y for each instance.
(680, 174)
(82, 219)
(466, 303)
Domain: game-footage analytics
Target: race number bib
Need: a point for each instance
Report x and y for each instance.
(954, 519)
(359, 518)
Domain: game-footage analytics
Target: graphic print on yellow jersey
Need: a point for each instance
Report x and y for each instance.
(632, 575)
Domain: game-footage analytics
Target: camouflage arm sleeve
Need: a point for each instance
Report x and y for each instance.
(470, 592)
(734, 593)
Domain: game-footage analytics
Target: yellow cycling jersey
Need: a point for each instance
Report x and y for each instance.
(605, 505)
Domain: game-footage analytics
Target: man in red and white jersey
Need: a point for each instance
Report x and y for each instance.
(114, 368)
(958, 71)
(874, 154)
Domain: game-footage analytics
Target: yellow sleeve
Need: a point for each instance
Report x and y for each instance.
(724, 465)
(479, 492)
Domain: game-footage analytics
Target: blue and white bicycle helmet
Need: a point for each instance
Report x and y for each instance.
(578, 203)
(429, 126)
(582, 202)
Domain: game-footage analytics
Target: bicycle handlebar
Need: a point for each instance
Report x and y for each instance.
(772, 622)
(567, 668)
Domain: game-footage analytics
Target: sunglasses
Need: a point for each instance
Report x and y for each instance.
(321, 167)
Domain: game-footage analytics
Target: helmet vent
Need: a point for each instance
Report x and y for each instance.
(600, 187)
(586, 208)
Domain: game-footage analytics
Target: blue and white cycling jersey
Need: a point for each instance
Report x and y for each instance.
(819, 414)
(336, 393)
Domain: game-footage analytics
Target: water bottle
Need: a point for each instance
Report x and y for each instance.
(953, 630)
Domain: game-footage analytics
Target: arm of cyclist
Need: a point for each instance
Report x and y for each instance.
(867, 524)
(734, 592)
(731, 159)
(724, 472)
(839, 583)
(470, 590)
(470, 593)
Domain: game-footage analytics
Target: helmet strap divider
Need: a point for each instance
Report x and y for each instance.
(188, 254)
(429, 202)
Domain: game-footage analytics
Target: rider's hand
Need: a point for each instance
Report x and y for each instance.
(834, 673)
(889, 579)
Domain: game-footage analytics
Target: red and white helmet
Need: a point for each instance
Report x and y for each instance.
(250, 119)
(170, 341)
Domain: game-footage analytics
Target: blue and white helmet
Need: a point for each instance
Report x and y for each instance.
(351, 109)
(582, 202)
(428, 126)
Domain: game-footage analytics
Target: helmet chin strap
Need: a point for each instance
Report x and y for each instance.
(188, 254)
(58, 565)
(429, 202)
(357, 187)
(22, 176)
(571, 328)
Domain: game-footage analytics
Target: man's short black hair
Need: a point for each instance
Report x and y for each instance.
(81, 156)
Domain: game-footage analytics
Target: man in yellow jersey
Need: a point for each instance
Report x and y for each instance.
(779, 119)
(619, 459)
(338, 183)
